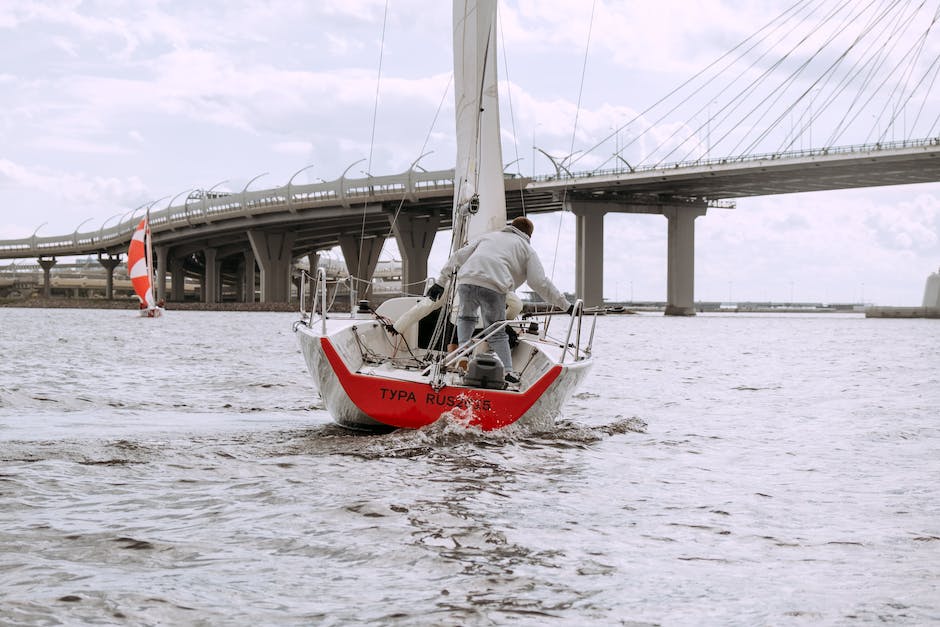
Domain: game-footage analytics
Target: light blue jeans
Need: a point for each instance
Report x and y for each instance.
(492, 306)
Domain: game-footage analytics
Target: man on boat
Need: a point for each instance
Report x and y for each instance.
(487, 269)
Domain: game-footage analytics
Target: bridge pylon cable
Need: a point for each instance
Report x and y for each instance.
(829, 71)
(929, 89)
(877, 61)
(755, 39)
(901, 95)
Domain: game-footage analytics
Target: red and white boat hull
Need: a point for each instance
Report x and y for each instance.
(361, 396)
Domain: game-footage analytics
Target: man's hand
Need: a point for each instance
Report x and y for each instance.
(434, 292)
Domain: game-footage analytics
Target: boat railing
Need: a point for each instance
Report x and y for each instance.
(319, 288)
(574, 329)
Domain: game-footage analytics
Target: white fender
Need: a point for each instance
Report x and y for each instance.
(513, 306)
(423, 307)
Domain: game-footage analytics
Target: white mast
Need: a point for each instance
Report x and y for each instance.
(479, 166)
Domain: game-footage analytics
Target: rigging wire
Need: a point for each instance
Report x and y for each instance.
(512, 115)
(375, 113)
(574, 134)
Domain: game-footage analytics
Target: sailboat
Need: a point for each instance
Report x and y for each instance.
(139, 269)
(395, 366)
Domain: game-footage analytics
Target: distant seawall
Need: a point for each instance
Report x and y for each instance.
(902, 312)
(129, 304)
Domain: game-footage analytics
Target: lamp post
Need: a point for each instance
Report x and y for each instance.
(150, 206)
(290, 199)
(534, 148)
(33, 237)
(103, 224)
(559, 165)
(205, 197)
(245, 188)
(342, 181)
(566, 159)
(75, 234)
(411, 174)
(172, 200)
(506, 167)
(131, 214)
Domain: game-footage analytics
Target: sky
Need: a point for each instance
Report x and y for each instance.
(108, 105)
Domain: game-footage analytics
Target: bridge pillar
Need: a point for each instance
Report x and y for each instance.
(589, 254)
(272, 250)
(313, 260)
(680, 269)
(415, 236)
(178, 281)
(240, 281)
(211, 279)
(162, 254)
(248, 278)
(109, 263)
(46, 265)
(362, 257)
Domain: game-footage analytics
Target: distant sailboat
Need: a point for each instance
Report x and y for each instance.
(139, 269)
(376, 371)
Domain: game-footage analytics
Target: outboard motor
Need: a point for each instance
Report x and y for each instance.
(485, 371)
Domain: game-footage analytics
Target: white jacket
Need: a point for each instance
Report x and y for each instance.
(502, 261)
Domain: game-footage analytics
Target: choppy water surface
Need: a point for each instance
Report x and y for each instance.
(733, 469)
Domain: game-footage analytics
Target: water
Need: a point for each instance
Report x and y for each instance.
(721, 470)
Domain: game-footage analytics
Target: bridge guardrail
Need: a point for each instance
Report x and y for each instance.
(221, 206)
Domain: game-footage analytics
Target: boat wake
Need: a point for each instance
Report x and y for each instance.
(447, 436)
(451, 432)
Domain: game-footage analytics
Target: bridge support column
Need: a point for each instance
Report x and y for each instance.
(313, 260)
(415, 236)
(248, 279)
(178, 281)
(46, 265)
(680, 269)
(589, 254)
(272, 250)
(162, 254)
(210, 277)
(362, 257)
(109, 263)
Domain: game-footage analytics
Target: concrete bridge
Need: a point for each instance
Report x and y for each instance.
(232, 238)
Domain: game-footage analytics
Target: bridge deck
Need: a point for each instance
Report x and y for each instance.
(318, 214)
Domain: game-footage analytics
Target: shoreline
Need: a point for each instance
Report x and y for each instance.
(131, 305)
(294, 307)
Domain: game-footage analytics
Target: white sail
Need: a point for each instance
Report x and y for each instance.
(479, 166)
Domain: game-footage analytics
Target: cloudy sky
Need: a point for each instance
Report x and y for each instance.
(106, 105)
